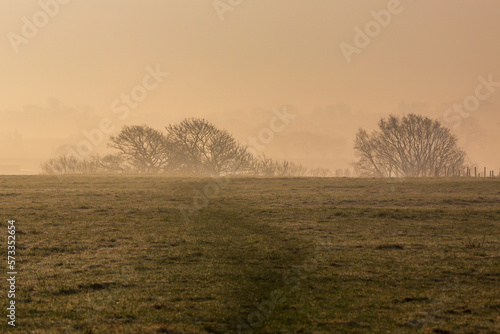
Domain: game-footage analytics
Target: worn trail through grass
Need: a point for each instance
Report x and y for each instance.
(103, 254)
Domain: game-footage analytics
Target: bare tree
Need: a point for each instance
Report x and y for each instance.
(201, 148)
(265, 166)
(69, 164)
(192, 146)
(287, 168)
(410, 146)
(145, 148)
(116, 164)
(269, 167)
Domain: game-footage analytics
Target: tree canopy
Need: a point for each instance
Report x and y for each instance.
(202, 148)
(146, 148)
(409, 146)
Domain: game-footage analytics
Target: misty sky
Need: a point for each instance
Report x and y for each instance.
(263, 55)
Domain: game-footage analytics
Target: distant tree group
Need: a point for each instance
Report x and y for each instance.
(407, 146)
(269, 167)
(410, 146)
(68, 164)
(201, 148)
(192, 147)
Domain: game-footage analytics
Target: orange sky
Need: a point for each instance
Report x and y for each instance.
(64, 78)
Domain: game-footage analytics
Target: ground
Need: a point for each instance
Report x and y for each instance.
(98, 254)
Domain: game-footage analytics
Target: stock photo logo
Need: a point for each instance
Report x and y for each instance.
(281, 119)
(121, 107)
(31, 26)
(254, 146)
(363, 37)
(223, 6)
(484, 90)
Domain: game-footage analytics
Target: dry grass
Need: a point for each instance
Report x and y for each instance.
(114, 255)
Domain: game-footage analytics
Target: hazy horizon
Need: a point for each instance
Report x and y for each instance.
(66, 75)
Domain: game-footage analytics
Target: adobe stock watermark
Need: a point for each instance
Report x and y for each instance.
(373, 28)
(486, 87)
(278, 123)
(32, 26)
(201, 198)
(122, 107)
(223, 6)
(11, 272)
(255, 145)
(292, 280)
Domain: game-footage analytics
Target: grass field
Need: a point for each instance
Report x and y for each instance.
(100, 254)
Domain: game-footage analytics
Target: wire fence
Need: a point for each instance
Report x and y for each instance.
(466, 172)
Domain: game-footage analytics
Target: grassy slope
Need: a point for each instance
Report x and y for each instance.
(114, 255)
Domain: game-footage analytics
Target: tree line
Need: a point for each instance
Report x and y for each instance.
(407, 146)
(192, 147)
